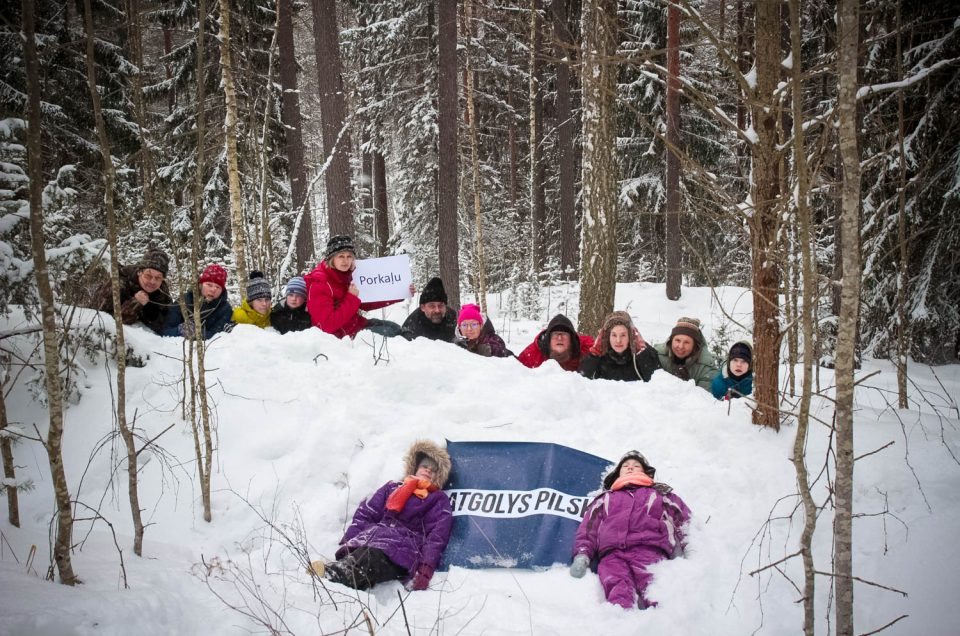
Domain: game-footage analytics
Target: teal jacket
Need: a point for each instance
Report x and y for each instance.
(701, 366)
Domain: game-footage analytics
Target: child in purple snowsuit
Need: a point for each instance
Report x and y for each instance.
(401, 531)
(634, 523)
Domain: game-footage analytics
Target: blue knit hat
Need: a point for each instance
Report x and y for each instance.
(297, 285)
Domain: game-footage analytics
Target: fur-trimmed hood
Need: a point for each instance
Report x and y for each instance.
(435, 452)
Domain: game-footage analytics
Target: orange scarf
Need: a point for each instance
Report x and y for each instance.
(411, 486)
(633, 479)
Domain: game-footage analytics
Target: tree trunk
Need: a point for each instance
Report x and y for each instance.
(336, 135)
(147, 170)
(51, 354)
(673, 244)
(563, 46)
(481, 268)
(765, 221)
(9, 468)
(293, 134)
(847, 58)
(598, 248)
(903, 278)
(381, 220)
(238, 224)
(121, 349)
(448, 150)
(538, 204)
(805, 242)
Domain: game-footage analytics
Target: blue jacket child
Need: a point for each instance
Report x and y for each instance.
(727, 384)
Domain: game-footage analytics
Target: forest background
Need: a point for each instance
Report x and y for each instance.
(805, 150)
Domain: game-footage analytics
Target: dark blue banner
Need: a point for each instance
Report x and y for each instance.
(517, 504)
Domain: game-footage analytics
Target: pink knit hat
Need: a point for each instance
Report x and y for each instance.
(469, 312)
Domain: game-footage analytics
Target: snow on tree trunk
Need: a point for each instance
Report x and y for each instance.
(336, 136)
(448, 169)
(293, 134)
(598, 248)
(563, 47)
(121, 349)
(381, 220)
(238, 224)
(847, 57)
(764, 222)
(51, 354)
(673, 243)
(9, 471)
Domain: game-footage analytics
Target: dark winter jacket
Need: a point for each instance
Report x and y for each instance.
(700, 366)
(417, 325)
(331, 306)
(631, 517)
(214, 315)
(538, 351)
(284, 319)
(487, 344)
(621, 366)
(153, 315)
(415, 536)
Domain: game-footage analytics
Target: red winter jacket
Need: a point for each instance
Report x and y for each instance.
(333, 308)
(533, 355)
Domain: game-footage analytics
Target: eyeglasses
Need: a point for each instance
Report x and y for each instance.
(469, 324)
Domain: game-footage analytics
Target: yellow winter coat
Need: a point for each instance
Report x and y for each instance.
(246, 315)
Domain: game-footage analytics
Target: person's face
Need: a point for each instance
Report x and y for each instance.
(619, 338)
(294, 300)
(739, 366)
(434, 311)
(210, 291)
(260, 305)
(425, 471)
(149, 280)
(343, 261)
(682, 346)
(470, 329)
(559, 345)
(631, 466)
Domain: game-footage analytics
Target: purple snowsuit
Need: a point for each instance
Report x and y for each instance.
(629, 530)
(416, 535)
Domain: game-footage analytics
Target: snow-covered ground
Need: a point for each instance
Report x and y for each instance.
(303, 437)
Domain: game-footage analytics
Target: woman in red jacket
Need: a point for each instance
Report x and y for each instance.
(333, 301)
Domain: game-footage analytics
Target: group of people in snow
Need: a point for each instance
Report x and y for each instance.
(328, 299)
(401, 531)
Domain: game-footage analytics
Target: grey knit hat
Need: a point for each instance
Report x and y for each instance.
(297, 285)
(257, 287)
(155, 258)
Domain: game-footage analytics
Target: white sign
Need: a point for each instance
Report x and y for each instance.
(386, 278)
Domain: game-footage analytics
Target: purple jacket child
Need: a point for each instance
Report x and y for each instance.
(631, 525)
(401, 531)
(476, 335)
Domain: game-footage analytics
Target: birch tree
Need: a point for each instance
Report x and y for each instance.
(53, 443)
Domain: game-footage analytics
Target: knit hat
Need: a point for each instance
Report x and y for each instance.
(214, 274)
(614, 319)
(469, 312)
(297, 285)
(688, 327)
(257, 287)
(433, 292)
(741, 350)
(339, 243)
(155, 258)
(637, 455)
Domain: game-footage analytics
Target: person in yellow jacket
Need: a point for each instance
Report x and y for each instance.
(255, 310)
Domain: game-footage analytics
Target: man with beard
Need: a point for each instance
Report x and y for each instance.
(433, 319)
(560, 342)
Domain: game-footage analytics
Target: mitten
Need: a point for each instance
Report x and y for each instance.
(639, 343)
(580, 564)
(597, 348)
(421, 579)
(186, 329)
(484, 349)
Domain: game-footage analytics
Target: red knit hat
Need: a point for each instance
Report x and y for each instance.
(214, 274)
